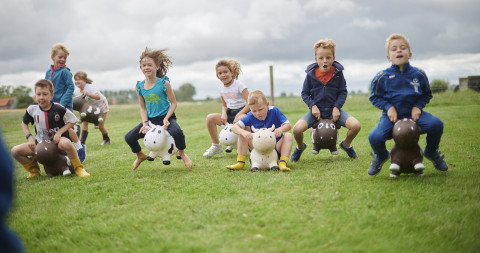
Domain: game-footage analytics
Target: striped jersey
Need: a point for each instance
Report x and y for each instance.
(47, 123)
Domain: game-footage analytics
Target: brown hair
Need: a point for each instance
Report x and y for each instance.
(82, 75)
(162, 60)
(58, 46)
(326, 44)
(256, 97)
(44, 83)
(232, 65)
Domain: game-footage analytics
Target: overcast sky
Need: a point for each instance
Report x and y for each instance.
(106, 38)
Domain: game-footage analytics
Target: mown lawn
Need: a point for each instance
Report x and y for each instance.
(325, 204)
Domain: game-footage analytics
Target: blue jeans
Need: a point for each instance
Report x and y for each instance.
(174, 129)
(325, 113)
(428, 123)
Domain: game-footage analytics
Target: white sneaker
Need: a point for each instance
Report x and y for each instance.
(213, 150)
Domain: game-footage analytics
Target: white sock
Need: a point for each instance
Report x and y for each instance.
(217, 145)
(78, 145)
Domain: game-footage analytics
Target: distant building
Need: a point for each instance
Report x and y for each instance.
(470, 82)
(7, 103)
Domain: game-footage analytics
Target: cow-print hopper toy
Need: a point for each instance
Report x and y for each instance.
(160, 143)
(406, 155)
(89, 113)
(324, 136)
(264, 156)
(228, 138)
(54, 161)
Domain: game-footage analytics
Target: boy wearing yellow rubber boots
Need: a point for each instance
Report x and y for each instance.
(52, 121)
(262, 115)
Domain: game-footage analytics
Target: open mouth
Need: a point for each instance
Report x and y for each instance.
(325, 66)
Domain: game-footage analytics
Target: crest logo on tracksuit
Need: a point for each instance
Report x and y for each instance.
(415, 84)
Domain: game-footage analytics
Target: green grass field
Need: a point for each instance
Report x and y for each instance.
(325, 204)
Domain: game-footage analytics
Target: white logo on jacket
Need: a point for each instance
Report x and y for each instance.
(415, 84)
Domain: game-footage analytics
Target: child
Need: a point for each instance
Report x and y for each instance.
(51, 121)
(94, 97)
(234, 95)
(402, 91)
(324, 91)
(157, 104)
(262, 116)
(61, 77)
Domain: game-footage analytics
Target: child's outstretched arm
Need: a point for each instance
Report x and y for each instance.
(224, 117)
(241, 131)
(67, 98)
(143, 114)
(173, 104)
(285, 127)
(31, 139)
(58, 134)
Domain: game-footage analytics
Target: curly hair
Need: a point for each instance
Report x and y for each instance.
(232, 65)
(325, 43)
(162, 60)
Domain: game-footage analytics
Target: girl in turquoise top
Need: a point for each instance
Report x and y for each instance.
(157, 104)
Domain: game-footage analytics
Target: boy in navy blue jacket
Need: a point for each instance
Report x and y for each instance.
(324, 91)
(402, 91)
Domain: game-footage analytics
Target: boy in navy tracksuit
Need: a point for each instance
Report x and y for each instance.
(324, 91)
(402, 91)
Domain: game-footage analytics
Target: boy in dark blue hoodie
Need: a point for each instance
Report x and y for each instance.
(62, 80)
(402, 91)
(324, 91)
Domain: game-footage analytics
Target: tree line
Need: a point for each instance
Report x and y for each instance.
(24, 95)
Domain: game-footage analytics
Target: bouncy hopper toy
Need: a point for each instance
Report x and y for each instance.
(228, 138)
(160, 143)
(406, 155)
(324, 136)
(54, 162)
(263, 155)
(89, 113)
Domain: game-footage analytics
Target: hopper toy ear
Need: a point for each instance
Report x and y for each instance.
(254, 129)
(272, 128)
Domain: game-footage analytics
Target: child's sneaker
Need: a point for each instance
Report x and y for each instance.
(213, 150)
(350, 152)
(376, 165)
(297, 153)
(437, 161)
(82, 153)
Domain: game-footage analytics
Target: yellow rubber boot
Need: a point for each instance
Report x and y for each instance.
(239, 165)
(283, 164)
(79, 170)
(32, 168)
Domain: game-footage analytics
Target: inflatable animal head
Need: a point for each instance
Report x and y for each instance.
(227, 137)
(89, 113)
(406, 133)
(264, 139)
(156, 137)
(406, 155)
(54, 162)
(324, 134)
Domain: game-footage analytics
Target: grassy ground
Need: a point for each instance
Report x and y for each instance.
(325, 204)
